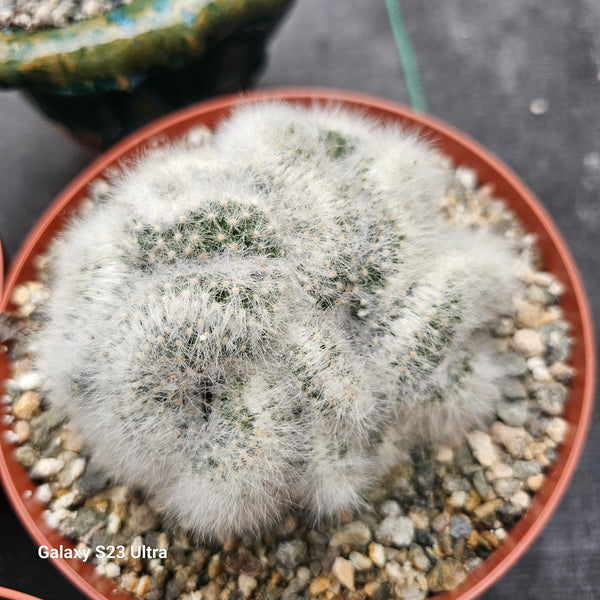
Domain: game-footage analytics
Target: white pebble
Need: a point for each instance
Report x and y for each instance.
(43, 493)
(343, 569)
(521, 499)
(557, 429)
(445, 454)
(65, 501)
(113, 523)
(482, 447)
(30, 381)
(528, 343)
(457, 498)
(112, 570)
(377, 554)
(46, 467)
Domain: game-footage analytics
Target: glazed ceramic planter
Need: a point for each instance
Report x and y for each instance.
(104, 77)
(462, 151)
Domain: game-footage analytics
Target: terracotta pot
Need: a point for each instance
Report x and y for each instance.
(7, 594)
(464, 152)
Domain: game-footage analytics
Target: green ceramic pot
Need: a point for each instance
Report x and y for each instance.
(104, 77)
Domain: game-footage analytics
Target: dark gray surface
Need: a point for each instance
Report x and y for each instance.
(482, 64)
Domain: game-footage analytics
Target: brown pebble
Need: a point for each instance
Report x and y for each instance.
(129, 582)
(319, 585)
(143, 585)
(27, 405)
(22, 431)
(446, 575)
(343, 570)
(372, 589)
(440, 522)
(214, 566)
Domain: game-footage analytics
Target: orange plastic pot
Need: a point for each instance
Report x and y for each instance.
(463, 151)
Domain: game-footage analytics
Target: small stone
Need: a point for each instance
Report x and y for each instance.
(512, 389)
(551, 397)
(360, 561)
(344, 571)
(246, 584)
(446, 574)
(142, 518)
(535, 482)
(291, 554)
(514, 414)
(65, 501)
(112, 570)
(521, 499)
(113, 523)
(487, 508)
(20, 295)
(528, 343)
(482, 447)
(304, 573)
(92, 481)
(319, 585)
(524, 468)
(398, 531)
(562, 372)
(460, 526)
(457, 499)
(72, 471)
(377, 554)
(355, 534)
(390, 508)
(506, 487)
(498, 471)
(372, 590)
(47, 467)
(394, 572)
(440, 522)
(514, 365)
(503, 328)
(27, 405)
(82, 522)
(22, 431)
(129, 582)
(419, 518)
(43, 493)
(418, 558)
(445, 454)
(211, 591)
(26, 456)
(143, 586)
(214, 566)
(557, 429)
(529, 315)
(514, 439)
(30, 381)
(481, 485)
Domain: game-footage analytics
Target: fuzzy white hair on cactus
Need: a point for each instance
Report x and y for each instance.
(271, 319)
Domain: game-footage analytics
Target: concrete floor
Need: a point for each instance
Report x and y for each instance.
(482, 64)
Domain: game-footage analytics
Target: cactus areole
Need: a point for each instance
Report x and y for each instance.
(272, 318)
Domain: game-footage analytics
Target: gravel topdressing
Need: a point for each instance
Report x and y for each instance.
(422, 530)
(32, 15)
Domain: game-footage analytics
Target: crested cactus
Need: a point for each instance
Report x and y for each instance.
(272, 318)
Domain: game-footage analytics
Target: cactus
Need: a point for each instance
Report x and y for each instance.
(273, 318)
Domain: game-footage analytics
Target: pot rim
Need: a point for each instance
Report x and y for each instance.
(521, 536)
(9, 594)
